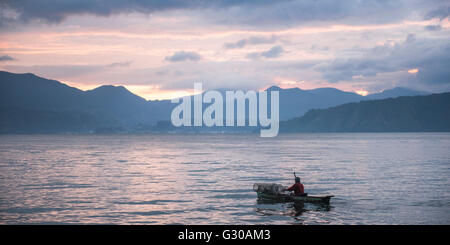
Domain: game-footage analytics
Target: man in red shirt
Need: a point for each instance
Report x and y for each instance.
(298, 188)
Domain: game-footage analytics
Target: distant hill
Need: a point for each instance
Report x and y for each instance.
(33, 92)
(119, 103)
(429, 113)
(393, 93)
(32, 104)
(295, 102)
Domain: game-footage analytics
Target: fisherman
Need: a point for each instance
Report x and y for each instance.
(298, 188)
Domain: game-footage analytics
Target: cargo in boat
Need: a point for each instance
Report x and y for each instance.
(276, 192)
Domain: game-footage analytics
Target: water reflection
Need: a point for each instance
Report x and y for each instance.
(268, 207)
(208, 179)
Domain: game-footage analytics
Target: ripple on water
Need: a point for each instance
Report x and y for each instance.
(208, 179)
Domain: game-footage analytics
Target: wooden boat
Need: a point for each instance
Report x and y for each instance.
(291, 198)
(276, 192)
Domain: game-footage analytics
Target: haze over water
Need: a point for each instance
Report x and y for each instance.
(382, 178)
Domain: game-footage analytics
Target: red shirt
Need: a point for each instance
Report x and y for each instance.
(297, 188)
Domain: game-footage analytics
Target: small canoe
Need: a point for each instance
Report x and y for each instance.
(290, 198)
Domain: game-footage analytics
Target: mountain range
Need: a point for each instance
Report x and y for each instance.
(32, 104)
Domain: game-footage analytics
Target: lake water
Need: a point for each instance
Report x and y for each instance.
(207, 179)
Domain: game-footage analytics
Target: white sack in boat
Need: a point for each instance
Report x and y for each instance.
(269, 188)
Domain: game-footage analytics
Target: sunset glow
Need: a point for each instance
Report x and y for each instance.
(362, 92)
(160, 55)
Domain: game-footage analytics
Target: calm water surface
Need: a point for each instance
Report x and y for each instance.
(207, 179)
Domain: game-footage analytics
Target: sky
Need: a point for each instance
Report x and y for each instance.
(159, 49)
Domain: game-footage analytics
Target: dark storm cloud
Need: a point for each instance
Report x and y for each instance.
(251, 41)
(6, 58)
(430, 57)
(183, 56)
(274, 52)
(241, 12)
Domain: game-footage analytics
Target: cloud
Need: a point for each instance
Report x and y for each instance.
(441, 13)
(410, 38)
(430, 56)
(294, 13)
(183, 56)
(244, 13)
(319, 48)
(6, 58)
(337, 38)
(55, 11)
(274, 52)
(120, 64)
(433, 27)
(253, 40)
